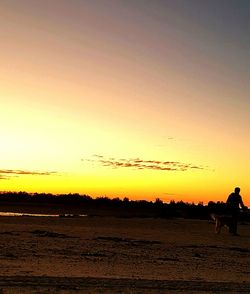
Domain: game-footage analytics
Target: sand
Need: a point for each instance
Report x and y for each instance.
(115, 255)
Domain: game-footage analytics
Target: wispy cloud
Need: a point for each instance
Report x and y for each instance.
(6, 174)
(2, 177)
(141, 164)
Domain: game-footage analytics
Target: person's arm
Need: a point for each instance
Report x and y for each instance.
(242, 204)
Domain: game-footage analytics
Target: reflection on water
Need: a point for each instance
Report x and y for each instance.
(40, 215)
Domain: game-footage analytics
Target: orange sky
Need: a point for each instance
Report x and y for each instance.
(142, 99)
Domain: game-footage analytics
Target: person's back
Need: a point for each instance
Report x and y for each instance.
(234, 202)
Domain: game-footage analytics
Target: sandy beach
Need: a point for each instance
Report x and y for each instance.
(115, 255)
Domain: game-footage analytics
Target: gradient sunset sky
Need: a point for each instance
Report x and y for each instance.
(134, 98)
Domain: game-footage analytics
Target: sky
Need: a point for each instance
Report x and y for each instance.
(138, 98)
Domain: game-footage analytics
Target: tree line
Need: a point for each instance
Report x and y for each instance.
(122, 207)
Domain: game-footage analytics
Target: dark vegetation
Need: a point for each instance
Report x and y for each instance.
(104, 206)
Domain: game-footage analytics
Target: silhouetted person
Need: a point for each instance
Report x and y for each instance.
(234, 202)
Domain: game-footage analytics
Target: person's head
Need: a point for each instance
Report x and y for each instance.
(237, 190)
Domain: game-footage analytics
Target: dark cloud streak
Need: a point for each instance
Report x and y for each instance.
(141, 164)
(6, 174)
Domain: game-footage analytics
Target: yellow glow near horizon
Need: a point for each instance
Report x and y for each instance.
(83, 80)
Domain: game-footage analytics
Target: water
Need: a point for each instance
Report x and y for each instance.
(39, 215)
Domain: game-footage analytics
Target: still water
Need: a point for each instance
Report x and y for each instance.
(39, 215)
